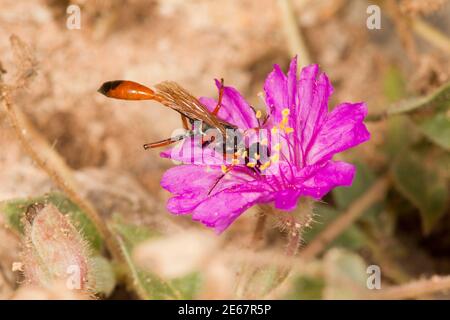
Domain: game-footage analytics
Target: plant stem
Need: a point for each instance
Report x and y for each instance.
(294, 37)
(432, 35)
(293, 240)
(56, 169)
(258, 234)
(414, 289)
(438, 99)
(319, 243)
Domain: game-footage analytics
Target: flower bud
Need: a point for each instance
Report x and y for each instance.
(54, 250)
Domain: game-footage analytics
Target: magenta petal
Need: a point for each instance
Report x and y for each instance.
(190, 185)
(234, 110)
(280, 91)
(314, 90)
(276, 98)
(331, 175)
(196, 190)
(190, 151)
(287, 199)
(222, 209)
(300, 162)
(343, 129)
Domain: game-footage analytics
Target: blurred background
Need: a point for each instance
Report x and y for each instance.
(395, 216)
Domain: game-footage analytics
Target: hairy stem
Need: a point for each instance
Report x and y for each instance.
(293, 240)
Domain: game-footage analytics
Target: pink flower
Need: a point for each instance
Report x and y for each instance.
(300, 162)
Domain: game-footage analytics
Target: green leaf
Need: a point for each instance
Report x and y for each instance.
(422, 183)
(352, 237)
(345, 275)
(364, 178)
(345, 196)
(145, 283)
(437, 129)
(438, 100)
(393, 84)
(78, 218)
(401, 133)
(307, 288)
(14, 209)
(430, 113)
(188, 285)
(103, 275)
(133, 234)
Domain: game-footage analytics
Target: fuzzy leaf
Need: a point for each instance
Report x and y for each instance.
(435, 102)
(438, 100)
(345, 275)
(103, 276)
(147, 284)
(437, 129)
(54, 250)
(422, 183)
(14, 209)
(307, 288)
(401, 133)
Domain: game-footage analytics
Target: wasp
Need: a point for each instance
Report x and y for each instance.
(172, 95)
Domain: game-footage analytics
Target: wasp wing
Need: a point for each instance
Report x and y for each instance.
(174, 96)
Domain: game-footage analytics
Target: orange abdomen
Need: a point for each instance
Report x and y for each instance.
(127, 90)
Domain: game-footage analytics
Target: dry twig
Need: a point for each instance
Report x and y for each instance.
(296, 43)
(414, 289)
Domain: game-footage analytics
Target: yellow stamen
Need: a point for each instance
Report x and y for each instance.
(275, 157)
(258, 114)
(277, 147)
(224, 168)
(285, 112)
(244, 154)
(251, 164)
(289, 130)
(235, 162)
(265, 165)
(274, 130)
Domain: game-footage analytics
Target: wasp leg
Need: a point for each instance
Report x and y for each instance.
(219, 102)
(184, 121)
(163, 143)
(227, 170)
(206, 143)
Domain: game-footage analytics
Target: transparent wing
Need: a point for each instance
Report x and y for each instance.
(174, 96)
